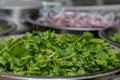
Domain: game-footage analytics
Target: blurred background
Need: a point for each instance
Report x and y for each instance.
(16, 10)
(61, 16)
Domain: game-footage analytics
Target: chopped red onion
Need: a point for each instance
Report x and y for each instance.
(80, 19)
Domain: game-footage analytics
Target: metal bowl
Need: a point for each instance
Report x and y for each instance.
(63, 29)
(7, 27)
(109, 31)
(17, 9)
(95, 76)
(117, 77)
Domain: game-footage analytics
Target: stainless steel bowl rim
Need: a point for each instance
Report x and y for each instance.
(14, 76)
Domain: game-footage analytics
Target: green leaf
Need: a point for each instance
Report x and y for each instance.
(2, 60)
(19, 52)
(81, 71)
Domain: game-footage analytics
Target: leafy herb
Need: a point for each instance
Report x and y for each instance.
(50, 54)
(115, 37)
(1, 30)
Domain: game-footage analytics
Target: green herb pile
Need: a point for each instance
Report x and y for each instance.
(115, 37)
(50, 54)
(3, 25)
(1, 30)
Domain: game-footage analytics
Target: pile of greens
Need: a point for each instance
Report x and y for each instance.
(50, 54)
(115, 37)
(3, 25)
(1, 30)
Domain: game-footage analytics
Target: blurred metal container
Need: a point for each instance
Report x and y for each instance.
(16, 10)
(106, 32)
(115, 78)
(61, 29)
(6, 27)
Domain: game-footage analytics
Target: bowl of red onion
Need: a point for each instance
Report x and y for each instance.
(77, 20)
